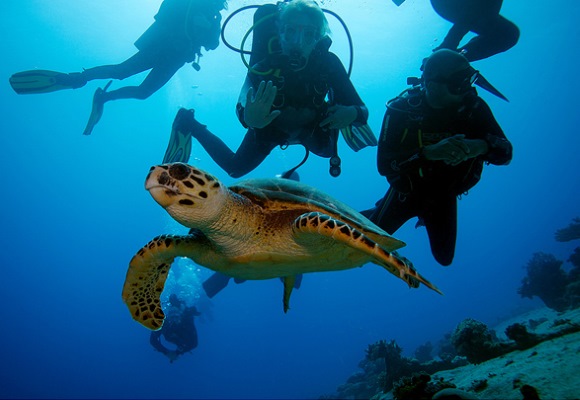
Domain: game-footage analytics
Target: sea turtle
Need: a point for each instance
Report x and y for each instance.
(256, 229)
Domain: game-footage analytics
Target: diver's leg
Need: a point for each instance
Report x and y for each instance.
(162, 71)
(466, 12)
(458, 13)
(453, 37)
(392, 211)
(155, 80)
(440, 218)
(250, 154)
(139, 62)
(155, 341)
(215, 284)
(494, 36)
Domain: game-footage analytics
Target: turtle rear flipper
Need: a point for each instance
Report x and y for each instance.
(322, 224)
(147, 274)
(289, 282)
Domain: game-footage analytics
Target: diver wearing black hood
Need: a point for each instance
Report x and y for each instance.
(433, 144)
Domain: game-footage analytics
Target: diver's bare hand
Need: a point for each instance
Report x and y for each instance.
(257, 113)
(452, 150)
(456, 149)
(339, 117)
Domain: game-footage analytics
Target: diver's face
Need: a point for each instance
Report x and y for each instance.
(438, 95)
(298, 37)
(447, 91)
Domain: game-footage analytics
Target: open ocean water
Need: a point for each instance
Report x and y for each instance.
(74, 210)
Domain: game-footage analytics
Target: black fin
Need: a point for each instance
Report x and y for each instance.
(484, 84)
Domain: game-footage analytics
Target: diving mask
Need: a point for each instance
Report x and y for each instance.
(303, 35)
(459, 82)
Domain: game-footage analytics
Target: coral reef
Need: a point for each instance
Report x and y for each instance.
(453, 394)
(418, 386)
(575, 261)
(384, 368)
(529, 393)
(477, 343)
(384, 365)
(571, 232)
(519, 334)
(396, 366)
(423, 352)
(546, 279)
(473, 340)
(446, 350)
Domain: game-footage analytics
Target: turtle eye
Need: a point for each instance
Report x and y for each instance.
(179, 171)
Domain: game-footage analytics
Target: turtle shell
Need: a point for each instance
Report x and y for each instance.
(285, 194)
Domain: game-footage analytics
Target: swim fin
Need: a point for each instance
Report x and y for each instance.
(484, 84)
(359, 137)
(97, 110)
(44, 81)
(215, 283)
(179, 147)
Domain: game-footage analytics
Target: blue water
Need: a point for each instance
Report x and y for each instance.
(74, 210)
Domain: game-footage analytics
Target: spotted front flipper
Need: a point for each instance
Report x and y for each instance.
(322, 224)
(148, 271)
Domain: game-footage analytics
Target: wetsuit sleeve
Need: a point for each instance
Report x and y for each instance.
(241, 106)
(343, 90)
(500, 148)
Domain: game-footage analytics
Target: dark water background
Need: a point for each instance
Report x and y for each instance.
(74, 210)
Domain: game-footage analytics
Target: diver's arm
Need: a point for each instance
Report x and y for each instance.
(241, 105)
(499, 147)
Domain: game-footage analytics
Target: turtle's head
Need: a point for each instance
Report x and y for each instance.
(191, 196)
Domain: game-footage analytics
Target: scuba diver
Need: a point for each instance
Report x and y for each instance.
(178, 328)
(180, 29)
(434, 141)
(494, 33)
(298, 92)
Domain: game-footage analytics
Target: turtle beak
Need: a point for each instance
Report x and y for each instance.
(161, 186)
(165, 197)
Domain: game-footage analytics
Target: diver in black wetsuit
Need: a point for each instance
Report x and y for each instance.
(284, 99)
(180, 30)
(178, 328)
(495, 34)
(433, 144)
